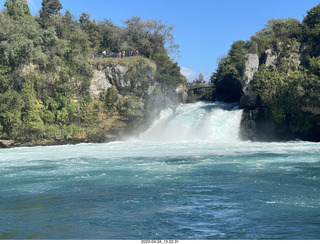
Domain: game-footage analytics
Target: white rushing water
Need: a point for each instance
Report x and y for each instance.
(194, 122)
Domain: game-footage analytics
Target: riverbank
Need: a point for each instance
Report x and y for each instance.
(113, 129)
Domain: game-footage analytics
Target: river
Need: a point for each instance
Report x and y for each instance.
(188, 176)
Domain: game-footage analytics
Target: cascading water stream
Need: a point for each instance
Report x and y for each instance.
(199, 121)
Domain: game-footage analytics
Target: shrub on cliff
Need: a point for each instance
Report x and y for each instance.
(228, 77)
(168, 72)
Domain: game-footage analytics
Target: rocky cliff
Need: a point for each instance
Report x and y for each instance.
(277, 90)
(134, 80)
(134, 76)
(128, 76)
(275, 76)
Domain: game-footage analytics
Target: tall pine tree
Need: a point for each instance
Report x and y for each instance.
(49, 8)
(18, 9)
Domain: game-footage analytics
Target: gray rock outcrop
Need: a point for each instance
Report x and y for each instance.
(249, 99)
(135, 79)
(126, 79)
(6, 143)
(251, 67)
(270, 59)
(160, 98)
(99, 84)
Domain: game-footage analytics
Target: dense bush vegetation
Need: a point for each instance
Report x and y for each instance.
(45, 71)
(228, 77)
(288, 90)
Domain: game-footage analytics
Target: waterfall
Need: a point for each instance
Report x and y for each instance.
(198, 121)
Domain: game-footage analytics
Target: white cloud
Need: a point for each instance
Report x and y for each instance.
(189, 74)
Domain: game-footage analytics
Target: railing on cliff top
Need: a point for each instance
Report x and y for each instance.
(116, 55)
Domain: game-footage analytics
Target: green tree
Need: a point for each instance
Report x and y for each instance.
(132, 107)
(230, 70)
(91, 29)
(33, 125)
(150, 37)
(311, 28)
(285, 28)
(10, 114)
(168, 73)
(20, 42)
(314, 67)
(18, 9)
(65, 25)
(111, 99)
(4, 78)
(112, 36)
(199, 80)
(49, 8)
(227, 81)
(312, 20)
(237, 54)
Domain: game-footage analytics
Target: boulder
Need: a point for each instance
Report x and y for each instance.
(6, 143)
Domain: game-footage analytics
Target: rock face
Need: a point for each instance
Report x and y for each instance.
(99, 84)
(135, 79)
(126, 80)
(160, 99)
(257, 124)
(181, 94)
(249, 99)
(270, 59)
(251, 67)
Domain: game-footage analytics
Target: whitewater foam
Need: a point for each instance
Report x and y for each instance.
(194, 122)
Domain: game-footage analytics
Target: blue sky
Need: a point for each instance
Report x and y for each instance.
(205, 29)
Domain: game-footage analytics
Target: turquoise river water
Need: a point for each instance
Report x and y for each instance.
(188, 176)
